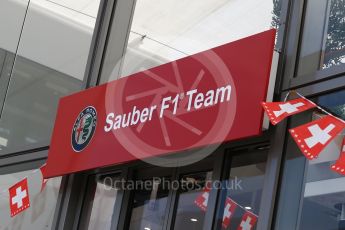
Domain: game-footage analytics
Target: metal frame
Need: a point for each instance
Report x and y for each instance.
(83, 222)
(292, 41)
(108, 46)
(121, 209)
(148, 171)
(317, 84)
(221, 163)
(219, 173)
(272, 177)
(72, 191)
(201, 166)
(289, 33)
(7, 167)
(92, 69)
(88, 200)
(117, 40)
(69, 197)
(99, 42)
(144, 173)
(292, 206)
(220, 170)
(293, 36)
(221, 194)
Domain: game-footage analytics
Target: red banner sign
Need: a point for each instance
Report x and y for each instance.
(207, 98)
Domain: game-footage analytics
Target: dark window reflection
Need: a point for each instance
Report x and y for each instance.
(334, 102)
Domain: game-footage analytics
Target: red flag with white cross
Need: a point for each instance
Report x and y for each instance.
(202, 200)
(313, 137)
(248, 221)
(19, 197)
(339, 165)
(229, 210)
(277, 111)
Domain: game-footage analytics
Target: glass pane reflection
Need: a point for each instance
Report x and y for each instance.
(149, 207)
(211, 23)
(312, 195)
(103, 204)
(323, 204)
(244, 189)
(323, 36)
(192, 201)
(50, 63)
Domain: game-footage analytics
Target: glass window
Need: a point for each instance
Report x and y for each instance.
(12, 14)
(149, 205)
(50, 63)
(243, 190)
(333, 52)
(103, 203)
(42, 204)
(322, 44)
(192, 201)
(157, 36)
(312, 195)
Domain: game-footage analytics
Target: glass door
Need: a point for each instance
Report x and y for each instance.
(222, 191)
(192, 200)
(171, 198)
(100, 201)
(149, 202)
(240, 200)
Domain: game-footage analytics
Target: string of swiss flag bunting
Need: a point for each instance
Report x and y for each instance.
(248, 220)
(313, 137)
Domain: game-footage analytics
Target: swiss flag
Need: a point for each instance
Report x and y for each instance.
(313, 137)
(248, 221)
(229, 210)
(202, 200)
(277, 111)
(339, 165)
(19, 197)
(44, 181)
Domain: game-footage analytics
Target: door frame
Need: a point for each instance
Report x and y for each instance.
(214, 162)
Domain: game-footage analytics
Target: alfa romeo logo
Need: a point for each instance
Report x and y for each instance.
(84, 128)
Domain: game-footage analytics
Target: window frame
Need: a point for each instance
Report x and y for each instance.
(114, 32)
(221, 160)
(283, 219)
(294, 35)
(92, 69)
(89, 198)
